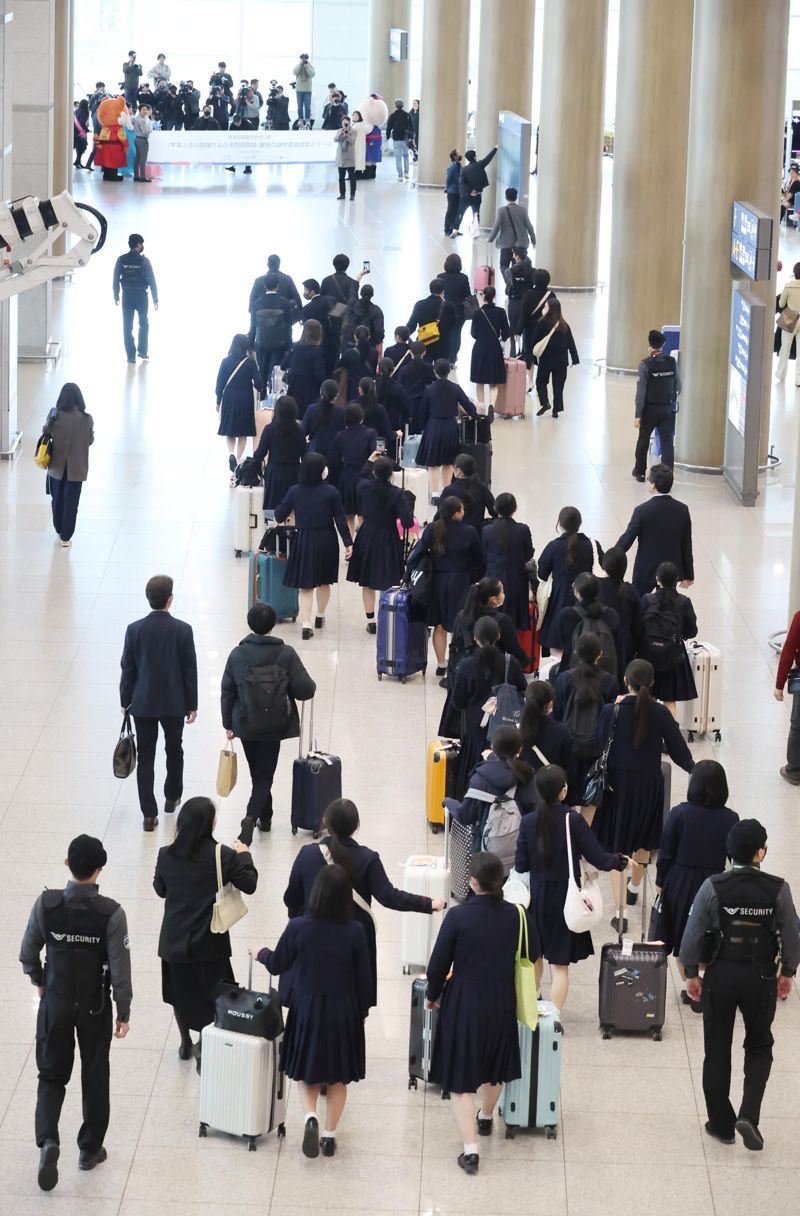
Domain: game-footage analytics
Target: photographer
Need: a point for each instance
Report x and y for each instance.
(220, 106)
(222, 79)
(303, 75)
(144, 96)
(254, 83)
(277, 108)
(247, 108)
(160, 70)
(171, 110)
(334, 113)
(190, 103)
(131, 72)
(160, 102)
(206, 121)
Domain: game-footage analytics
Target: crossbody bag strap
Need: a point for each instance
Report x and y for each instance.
(362, 903)
(218, 855)
(541, 303)
(233, 373)
(508, 664)
(541, 755)
(400, 364)
(488, 322)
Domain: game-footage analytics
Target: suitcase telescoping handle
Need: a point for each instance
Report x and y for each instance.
(446, 838)
(311, 742)
(622, 903)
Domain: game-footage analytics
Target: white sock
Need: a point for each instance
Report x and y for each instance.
(306, 625)
(470, 1148)
(312, 1114)
(483, 1115)
(326, 1135)
(634, 890)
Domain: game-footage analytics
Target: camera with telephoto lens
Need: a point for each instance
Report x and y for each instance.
(184, 87)
(273, 90)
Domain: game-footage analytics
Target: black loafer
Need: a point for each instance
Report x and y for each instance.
(715, 1135)
(615, 924)
(307, 634)
(469, 1162)
(695, 1006)
(171, 805)
(319, 622)
(264, 825)
(327, 1146)
(441, 671)
(485, 1127)
(631, 897)
(48, 1165)
(246, 831)
(372, 627)
(543, 409)
(149, 824)
(311, 1138)
(750, 1135)
(186, 1049)
(87, 1161)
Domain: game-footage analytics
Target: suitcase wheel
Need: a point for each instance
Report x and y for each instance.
(294, 618)
(718, 736)
(412, 1082)
(251, 1144)
(445, 1096)
(552, 1133)
(380, 675)
(202, 1131)
(282, 1129)
(510, 1133)
(656, 1035)
(238, 552)
(690, 736)
(294, 831)
(606, 1032)
(402, 679)
(436, 828)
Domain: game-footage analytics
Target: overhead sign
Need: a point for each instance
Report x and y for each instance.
(242, 148)
(751, 241)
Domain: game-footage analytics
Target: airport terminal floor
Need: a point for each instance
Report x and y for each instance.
(157, 500)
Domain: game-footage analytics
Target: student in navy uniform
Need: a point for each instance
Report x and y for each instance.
(85, 936)
(544, 740)
(314, 557)
(331, 986)
(630, 818)
(390, 393)
(440, 406)
(400, 348)
(484, 598)
(477, 1044)
(375, 416)
(457, 289)
(476, 676)
(489, 330)
(305, 367)
(507, 549)
(238, 375)
(498, 774)
(676, 612)
(377, 561)
(624, 599)
(588, 613)
(350, 451)
(365, 870)
(193, 959)
(565, 558)
(414, 377)
(323, 420)
(283, 441)
(476, 497)
(542, 853)
(580, 694)
(692, 849)
(457, 560)
(358, 361)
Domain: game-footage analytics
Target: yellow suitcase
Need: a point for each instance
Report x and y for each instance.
(440, 778)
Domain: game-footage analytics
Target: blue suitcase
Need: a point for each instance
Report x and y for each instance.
(402, 639)
(316, 780)
(266, 582)
(535, 1099)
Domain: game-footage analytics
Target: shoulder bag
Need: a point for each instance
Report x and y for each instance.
(226, 770)
(233, 373)
(525, 977)
(543, 343)
(357, 900)
(596, 782)
(338, 310)
(229, 906)
(124, 760)
(583, 907)
(247, 1012)
(43, 452)
(787, 319)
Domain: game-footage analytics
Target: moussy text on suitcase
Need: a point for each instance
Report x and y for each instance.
(633, 980)
(534, 1099)
(316, 779)
(402, 638)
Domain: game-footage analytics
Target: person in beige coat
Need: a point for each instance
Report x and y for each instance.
(789, 298)
(73, 434)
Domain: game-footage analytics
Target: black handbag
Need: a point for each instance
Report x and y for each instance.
(420, 581)
(793, 681)
(124, 761)
(655, 932)
(248, 1012)
(596, 782)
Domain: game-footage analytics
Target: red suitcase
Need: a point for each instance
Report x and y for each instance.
(483, 276)
(529, 641)
(510, 401)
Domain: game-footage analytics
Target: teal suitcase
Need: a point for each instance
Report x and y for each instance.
(266, 585)
(535, 1099)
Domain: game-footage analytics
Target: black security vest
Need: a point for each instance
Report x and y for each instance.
(133, 276)
(76, 937)
(747, 923)
(661, 372)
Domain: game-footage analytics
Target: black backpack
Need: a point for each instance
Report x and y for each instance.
(662, 635)
(600, 627)
(581, 722)
(265, 700)
(270, 328)
(248, 473)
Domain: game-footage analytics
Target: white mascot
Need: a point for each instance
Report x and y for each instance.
(369, 142)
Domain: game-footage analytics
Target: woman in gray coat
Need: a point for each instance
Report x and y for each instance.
(73, 434)
(345, 140)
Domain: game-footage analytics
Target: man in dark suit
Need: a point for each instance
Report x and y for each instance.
(270, 327)
(286, 286)
(434, 308)
(663, 528)
(262, 681)
(317, 308)
(159, 684)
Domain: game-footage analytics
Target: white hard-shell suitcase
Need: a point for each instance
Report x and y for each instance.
(423, 875)
(248, 524)
(416, 480)
(242, 1088)
(703, 716)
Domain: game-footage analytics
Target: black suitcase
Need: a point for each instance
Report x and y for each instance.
(666, 773)
(421, 1034)
(633, 981)
(316, 781)
(475, 440)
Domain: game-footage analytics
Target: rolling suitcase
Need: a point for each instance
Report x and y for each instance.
(512, 395)
(534, 1100)
(242, 1087)
(666, 773)
(402, 640)
(248, 519)
(483, 275)
(417, 483)
(475, 441)
(441, 771)
(266, 578)
(633, 981)
(529, 641)
(422, 1032)
(316, 780)
(423, 875)
(407, 456)
(264, 416)
(703, 716)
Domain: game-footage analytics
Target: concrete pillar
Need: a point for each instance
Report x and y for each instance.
(443, 100)
(32, 129)
(389, 79)
(63, 153)
(571, 140)
(745, 41)
(8, 308)
(505, 77)
(650, 145)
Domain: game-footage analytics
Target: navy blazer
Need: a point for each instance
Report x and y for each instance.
(627, 603)
(315, 507)
(441, 399)
(460, 487)
(623, 756)
(663, 528)
(694, 836)
(553, 742)
(478, 943)
(326, 958)
(352, 448)
(582, 838)
(369, 879)
(159, 668)
(321, 424)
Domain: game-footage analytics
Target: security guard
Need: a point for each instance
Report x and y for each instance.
(133, 273)
(740, 924)
(657, 386)
(86, 939)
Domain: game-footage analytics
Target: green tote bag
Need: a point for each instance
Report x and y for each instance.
(525, 977)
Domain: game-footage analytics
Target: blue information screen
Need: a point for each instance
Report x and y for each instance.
(751, 241)
(739, 361)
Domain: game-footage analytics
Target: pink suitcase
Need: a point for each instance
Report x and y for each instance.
(483, 276)
(510, 401)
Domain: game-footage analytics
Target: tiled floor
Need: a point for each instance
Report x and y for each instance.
(157, 499)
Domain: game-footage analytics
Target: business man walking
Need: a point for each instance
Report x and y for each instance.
(159, 686)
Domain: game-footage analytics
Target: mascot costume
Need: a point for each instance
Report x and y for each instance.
(375, 112)
(111, 145)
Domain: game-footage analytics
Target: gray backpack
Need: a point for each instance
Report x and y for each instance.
(500, 828)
